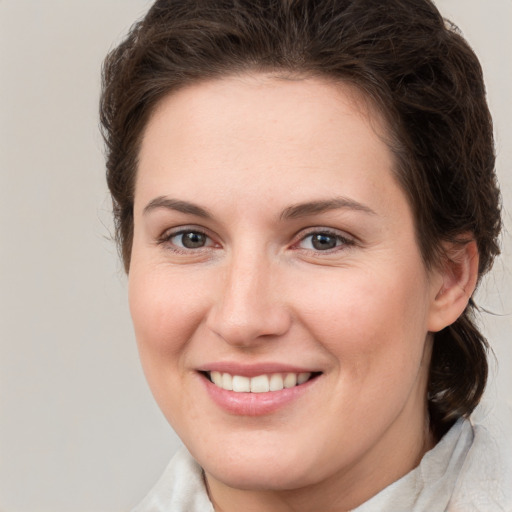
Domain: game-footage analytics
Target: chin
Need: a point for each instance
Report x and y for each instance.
(264, 477)
(261, 469)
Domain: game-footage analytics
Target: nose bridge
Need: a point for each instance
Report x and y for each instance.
(249, 307)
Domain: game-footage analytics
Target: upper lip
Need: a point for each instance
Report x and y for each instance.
(253, 370)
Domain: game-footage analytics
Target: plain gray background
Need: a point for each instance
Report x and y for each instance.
(79, 431)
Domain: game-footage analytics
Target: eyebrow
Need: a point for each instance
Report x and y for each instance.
(292, 212)
(177, 205)
(316, 207)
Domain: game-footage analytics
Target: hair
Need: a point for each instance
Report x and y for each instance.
(411, 64)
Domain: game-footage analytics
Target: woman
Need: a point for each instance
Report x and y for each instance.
(305, 200)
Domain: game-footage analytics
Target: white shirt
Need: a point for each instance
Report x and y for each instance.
(467, 471)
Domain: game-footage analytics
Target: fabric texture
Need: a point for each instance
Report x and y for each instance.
(469, 470)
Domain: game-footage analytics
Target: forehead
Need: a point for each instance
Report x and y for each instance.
(254, 134)
(261, 97)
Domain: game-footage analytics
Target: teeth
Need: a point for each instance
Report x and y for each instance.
(290, 381)
(216, 378)
(276, 382)
(303, 377)
(227, 381)
(241, 384)
(259, 384)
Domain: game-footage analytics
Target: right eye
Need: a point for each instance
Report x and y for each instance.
(187, 240)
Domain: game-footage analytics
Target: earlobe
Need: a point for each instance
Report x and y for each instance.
(457, 278)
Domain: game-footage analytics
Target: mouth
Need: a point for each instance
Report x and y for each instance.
(264, 383)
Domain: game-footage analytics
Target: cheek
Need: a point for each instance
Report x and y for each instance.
(372, 322)
(166, 310)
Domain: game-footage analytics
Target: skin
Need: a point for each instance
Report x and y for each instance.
(246, 150)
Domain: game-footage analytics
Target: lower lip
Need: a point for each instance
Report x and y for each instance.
(255, 404)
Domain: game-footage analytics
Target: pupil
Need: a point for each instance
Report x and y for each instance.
(193, 240)
(323, 242)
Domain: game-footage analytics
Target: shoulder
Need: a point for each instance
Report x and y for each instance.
(484, 483)
(180, 489)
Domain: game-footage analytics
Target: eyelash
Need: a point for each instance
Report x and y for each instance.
(342, 242)
(166, 239)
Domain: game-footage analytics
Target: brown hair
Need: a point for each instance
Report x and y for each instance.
(413, 65)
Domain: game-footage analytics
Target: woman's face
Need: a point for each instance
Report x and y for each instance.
(272, 243)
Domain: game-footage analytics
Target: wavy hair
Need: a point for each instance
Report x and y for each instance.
(413, 65)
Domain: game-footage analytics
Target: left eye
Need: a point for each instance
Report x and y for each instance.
(190, 240)
(321, 241)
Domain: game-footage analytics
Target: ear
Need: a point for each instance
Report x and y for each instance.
(454, 282)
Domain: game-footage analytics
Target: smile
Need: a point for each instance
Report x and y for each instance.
(259, 384)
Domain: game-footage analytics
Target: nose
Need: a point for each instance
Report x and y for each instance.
(249, 307)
